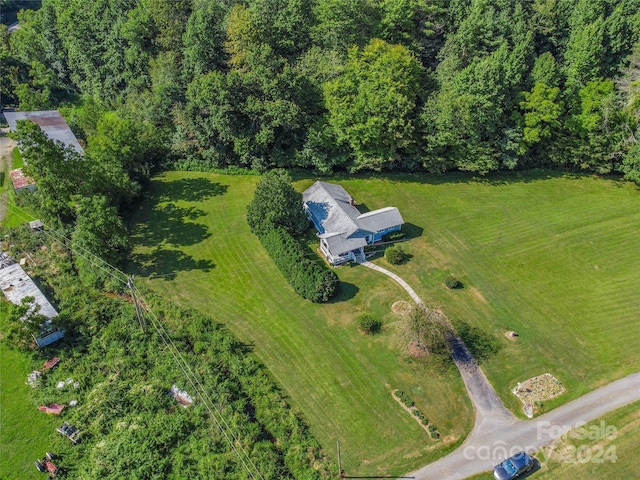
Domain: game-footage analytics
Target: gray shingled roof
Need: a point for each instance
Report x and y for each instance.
(380, 219)
(50, 121)
(329, 204)
(341, 224)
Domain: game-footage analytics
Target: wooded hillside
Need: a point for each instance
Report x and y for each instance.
(435, 85)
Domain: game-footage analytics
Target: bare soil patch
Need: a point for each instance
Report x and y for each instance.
(416, 352)
(536, 390)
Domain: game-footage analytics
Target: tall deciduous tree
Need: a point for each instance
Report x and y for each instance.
(50, 164)
(372, 105)
(99, 230)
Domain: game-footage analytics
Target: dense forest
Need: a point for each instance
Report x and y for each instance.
(328, 85)
(320, 85)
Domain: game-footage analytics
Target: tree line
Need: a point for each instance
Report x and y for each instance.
(347, 85)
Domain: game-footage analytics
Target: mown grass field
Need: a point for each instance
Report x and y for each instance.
(606, 448)
(25, 432)
(194, 243)
(555, 258)
(552, 257)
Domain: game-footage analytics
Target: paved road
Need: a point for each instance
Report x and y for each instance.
(497, 433)
(481, 451)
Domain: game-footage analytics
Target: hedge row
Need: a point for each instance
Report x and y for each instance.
(405, 399)
(309, 279)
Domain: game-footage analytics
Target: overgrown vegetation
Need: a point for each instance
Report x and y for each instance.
(275, 214)
(129, 423)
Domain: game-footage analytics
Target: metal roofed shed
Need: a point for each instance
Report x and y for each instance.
(20, 181)
(36, 225)
(52, 124)
(16, 285)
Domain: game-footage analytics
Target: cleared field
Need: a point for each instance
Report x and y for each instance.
(552, 257)
(25, 433)
(555, 258)
(195, 246)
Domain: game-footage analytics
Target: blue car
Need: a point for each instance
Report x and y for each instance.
(513, 467)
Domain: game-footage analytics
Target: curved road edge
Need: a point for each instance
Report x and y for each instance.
(478, 453)
(497, 433)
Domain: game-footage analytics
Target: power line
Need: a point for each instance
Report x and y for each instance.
(88, 256)
(191, 378)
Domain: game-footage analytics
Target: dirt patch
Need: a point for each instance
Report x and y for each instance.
(416, 352)
(536, 390)
(478, 294)
(401, 308)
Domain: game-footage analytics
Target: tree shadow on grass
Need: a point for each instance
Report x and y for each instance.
(170, 224)
(346, 291)
(481, 345)
(167, 263)
(188, 189)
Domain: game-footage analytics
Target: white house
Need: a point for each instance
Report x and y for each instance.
(342, 229)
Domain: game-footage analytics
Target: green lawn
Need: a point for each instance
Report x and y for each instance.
(25, 432)
(555, 258)
(194, 235)
(14, 215)
(606, 448)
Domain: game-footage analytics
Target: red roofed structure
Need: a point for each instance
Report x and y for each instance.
(21, 181)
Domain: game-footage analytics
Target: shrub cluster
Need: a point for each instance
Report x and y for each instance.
(410, 404)
(390, 237)
(369, 324)
(452, 282)
(421, 416)
(309, 279)
(395, 255)
(405, 399)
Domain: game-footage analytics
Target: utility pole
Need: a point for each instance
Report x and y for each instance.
(339, 462)
(139, 312)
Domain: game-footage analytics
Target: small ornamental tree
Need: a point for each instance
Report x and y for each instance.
(369, 324)
(395, 255)
(424, 331)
